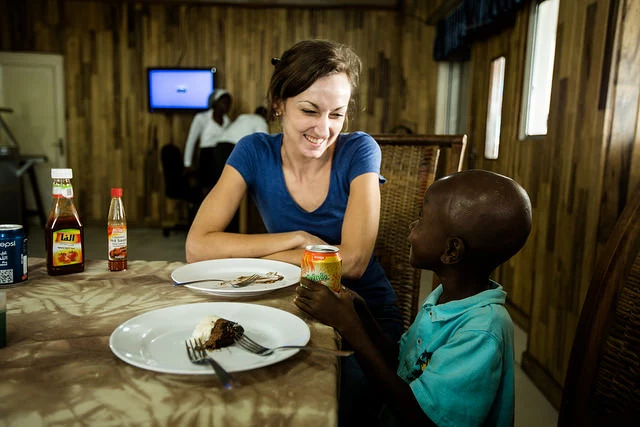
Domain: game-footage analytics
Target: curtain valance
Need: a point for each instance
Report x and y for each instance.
(472, 20)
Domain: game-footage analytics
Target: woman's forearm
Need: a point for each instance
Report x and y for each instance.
(354, 263)
(217, 245)
(286, 247)
(293, 256)
(352, 267)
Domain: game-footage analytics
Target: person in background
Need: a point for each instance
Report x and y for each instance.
(246, 124)
(455, 364)
(207, 127)
(311, 183)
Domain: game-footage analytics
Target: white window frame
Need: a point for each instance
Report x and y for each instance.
(528, 84)
(452, 97)
(494, 107)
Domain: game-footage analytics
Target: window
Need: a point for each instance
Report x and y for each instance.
(494, 108)
(452, 97)
(539, 69)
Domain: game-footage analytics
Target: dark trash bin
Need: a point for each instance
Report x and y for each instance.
(10, 186)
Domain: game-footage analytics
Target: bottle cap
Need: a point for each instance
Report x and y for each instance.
(61, 173)
(116, 192)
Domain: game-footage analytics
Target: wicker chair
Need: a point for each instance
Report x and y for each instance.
(410, 163)
(602, 386)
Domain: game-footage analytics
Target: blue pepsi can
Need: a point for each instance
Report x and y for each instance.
(13, 255)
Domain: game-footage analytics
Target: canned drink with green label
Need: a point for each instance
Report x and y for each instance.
(322, 264)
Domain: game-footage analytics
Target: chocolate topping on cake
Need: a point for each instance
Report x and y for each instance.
(216, 332)
(223, 334)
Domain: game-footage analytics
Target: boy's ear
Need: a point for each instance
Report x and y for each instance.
(454, 250)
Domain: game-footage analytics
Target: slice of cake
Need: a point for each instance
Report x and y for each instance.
(216, 332)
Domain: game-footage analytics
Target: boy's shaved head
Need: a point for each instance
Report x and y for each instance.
(491, 213)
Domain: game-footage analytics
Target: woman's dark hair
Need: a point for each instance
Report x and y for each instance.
(307, 61)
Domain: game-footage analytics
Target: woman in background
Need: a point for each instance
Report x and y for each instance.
(311, 184)
(208, 126)
(246, 124)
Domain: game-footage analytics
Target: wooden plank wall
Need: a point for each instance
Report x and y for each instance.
(578, 175)
(114, 141)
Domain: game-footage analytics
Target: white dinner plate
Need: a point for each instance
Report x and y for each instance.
(156, 340)
(232, 268)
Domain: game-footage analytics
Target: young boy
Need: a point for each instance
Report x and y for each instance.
(454, 365)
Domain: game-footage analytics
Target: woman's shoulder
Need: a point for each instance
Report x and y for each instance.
(260, 143)
(357, 142)
(357, 139)
(254, 154)
(263, 141)
(357, 136)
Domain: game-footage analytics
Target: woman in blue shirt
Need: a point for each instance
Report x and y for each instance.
(311, 183)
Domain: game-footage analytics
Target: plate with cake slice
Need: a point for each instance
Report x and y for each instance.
(156, 340)
(224, 273)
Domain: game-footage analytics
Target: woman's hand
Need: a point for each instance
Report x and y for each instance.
(309, 239)
(300, 240)
(334, 309)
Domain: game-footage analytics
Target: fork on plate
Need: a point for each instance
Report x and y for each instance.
(244, 282)
(198, 354)
(250, 345)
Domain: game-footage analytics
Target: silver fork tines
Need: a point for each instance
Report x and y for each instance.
(253, 347)
(198, 354)
(249, 280)
(244, 282)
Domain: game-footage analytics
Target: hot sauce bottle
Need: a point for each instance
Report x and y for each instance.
(117, 232)
(64, 232)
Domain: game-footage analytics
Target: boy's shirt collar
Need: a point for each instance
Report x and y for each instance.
(494, 295)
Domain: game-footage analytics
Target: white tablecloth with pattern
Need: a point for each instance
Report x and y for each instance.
(57, 368)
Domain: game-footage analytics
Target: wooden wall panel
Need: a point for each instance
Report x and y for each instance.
(578, 175)
(107, 46)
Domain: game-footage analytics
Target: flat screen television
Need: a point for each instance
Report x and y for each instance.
(179, 89)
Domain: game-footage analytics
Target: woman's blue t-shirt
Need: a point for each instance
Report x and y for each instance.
(257, 158)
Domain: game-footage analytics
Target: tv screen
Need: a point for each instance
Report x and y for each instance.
(179, 89)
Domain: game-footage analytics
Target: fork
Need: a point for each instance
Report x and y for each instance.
(252, 346)
(198, 354)
(244, 282)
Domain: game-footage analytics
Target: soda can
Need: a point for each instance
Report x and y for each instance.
(13, 255)
(322, 264)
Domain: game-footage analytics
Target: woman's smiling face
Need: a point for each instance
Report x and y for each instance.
(313, 119)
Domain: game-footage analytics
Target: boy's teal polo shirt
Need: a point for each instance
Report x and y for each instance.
(458, 359)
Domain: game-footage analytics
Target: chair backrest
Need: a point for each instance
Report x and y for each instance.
(410, 163)
(602, 385)
(173, 172)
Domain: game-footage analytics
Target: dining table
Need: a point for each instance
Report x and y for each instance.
(58, 367)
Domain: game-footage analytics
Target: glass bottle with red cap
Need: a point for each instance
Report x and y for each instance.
(117, 232)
